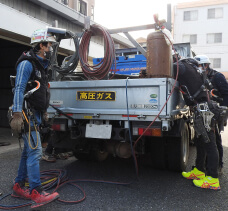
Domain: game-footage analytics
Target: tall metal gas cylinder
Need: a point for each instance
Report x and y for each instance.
(159, 55)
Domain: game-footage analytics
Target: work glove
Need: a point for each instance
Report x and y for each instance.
(17, 123)
(45, 116)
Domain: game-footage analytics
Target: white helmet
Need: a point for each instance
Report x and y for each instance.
(202, 59)
(41, 35)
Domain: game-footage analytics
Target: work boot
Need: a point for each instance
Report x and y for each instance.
(207, 182)
(193, 174)
(48, 157)
(20, 191)
(41, 197)
(62, 156)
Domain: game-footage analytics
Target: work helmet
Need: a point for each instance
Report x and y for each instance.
(202, 59)
(41, 35)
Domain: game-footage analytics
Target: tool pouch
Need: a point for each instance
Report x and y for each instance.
(200, 129)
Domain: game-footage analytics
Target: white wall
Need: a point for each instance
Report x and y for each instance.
(202, 27)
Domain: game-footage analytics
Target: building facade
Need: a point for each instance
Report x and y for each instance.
(85, 7)
(19, 18)
(203, 24)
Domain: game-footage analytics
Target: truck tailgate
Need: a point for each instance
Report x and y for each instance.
(107, 99)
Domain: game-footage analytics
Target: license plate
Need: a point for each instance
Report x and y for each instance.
(96, 95)
(98, 131)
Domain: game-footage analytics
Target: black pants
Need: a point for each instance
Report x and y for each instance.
(207, 151)
(51, 136)
(219, 146)
(49, 148)
(57, 150)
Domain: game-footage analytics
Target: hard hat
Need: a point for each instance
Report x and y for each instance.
(41, 35)
(202, 59)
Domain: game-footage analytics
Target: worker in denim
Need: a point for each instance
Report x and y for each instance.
(32, 65)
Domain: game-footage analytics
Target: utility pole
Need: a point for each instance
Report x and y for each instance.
(169, 18)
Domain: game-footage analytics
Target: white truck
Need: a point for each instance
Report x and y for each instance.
(95, 128)
(97, 118)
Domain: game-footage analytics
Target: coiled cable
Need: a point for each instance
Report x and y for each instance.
(71, 62)
(100, 70)
(55, 179)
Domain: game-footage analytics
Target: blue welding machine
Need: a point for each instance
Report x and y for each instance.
(127, 65)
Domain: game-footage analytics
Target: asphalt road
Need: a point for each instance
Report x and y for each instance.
(154, 190)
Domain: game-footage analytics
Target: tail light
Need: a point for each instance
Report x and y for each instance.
(149, 132)
(60, 125)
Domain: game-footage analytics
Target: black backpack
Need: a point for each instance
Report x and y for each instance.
(191, 81)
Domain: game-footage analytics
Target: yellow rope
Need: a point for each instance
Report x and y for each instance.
(25, 116)
(43, 183)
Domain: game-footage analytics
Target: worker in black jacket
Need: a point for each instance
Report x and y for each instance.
(220, 84)
(192, 85)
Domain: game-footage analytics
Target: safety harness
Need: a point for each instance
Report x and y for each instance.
(36, 97)
(39, 100)
(194, 86)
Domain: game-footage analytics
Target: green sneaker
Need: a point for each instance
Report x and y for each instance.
(208, 183)
(193, 174)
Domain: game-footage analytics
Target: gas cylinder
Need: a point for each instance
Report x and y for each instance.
(159, 55)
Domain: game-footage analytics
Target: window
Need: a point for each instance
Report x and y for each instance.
(214, 38)
(64, 2)
(215, 13)
(92, 12)
(82, 7)
(215, 62)
(192, 38)
(190, 15)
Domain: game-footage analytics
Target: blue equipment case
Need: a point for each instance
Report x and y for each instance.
(127, 65)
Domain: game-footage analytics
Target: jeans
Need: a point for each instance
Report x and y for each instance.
(29, 164)
(209, 151)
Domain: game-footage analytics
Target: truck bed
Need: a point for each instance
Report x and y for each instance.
(107, 99)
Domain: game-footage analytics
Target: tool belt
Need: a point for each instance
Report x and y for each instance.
(26, 124)
(207, 117)
(200, 129)
(203, 120)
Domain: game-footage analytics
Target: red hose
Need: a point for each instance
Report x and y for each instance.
(100, 70)
(161, 108)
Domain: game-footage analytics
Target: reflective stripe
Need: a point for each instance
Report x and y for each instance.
(17, 94)
(23, 74)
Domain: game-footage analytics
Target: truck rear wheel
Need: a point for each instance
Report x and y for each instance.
(178, 149)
